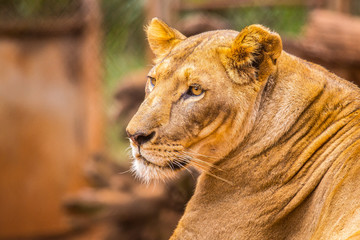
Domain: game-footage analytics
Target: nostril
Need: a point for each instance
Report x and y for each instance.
(141, 138)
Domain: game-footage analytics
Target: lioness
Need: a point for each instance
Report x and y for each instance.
(277, 138)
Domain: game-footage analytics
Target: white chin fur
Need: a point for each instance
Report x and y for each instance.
(149, 173)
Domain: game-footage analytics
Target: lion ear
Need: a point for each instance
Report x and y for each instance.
(253, 53)
(161, 37)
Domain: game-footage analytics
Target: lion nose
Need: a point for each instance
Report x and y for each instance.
(140, 138)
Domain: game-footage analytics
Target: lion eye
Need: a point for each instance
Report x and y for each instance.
(152, 82)
(195, 90)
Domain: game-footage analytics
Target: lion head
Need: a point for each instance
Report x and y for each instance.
(201, 97)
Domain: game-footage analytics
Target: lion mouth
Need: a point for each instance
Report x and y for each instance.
(172, 165)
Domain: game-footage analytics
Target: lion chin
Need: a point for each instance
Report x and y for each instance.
(148, 171)
(276, 138)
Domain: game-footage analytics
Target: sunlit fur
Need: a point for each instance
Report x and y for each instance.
(277, 138)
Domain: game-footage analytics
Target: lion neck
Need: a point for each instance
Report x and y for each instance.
(282, 160)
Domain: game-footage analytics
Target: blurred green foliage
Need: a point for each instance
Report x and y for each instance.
(124, 39)
(355, 7)
(286, 20)
(122, 27)
(37, 9)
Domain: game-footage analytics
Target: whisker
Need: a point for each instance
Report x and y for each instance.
(183, 166)
(127, 171)
(199, 154)
(128, 152)
(208, 164)
(192, 156)
(220, 178)
(213, 175)
(204, 162)
(170, 165)
(200, 165)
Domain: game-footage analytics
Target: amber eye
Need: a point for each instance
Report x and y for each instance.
(195, 90)
(152, 81)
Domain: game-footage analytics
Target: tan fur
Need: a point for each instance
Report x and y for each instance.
(277, 138)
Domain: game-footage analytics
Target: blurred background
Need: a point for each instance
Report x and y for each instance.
(72, 73)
